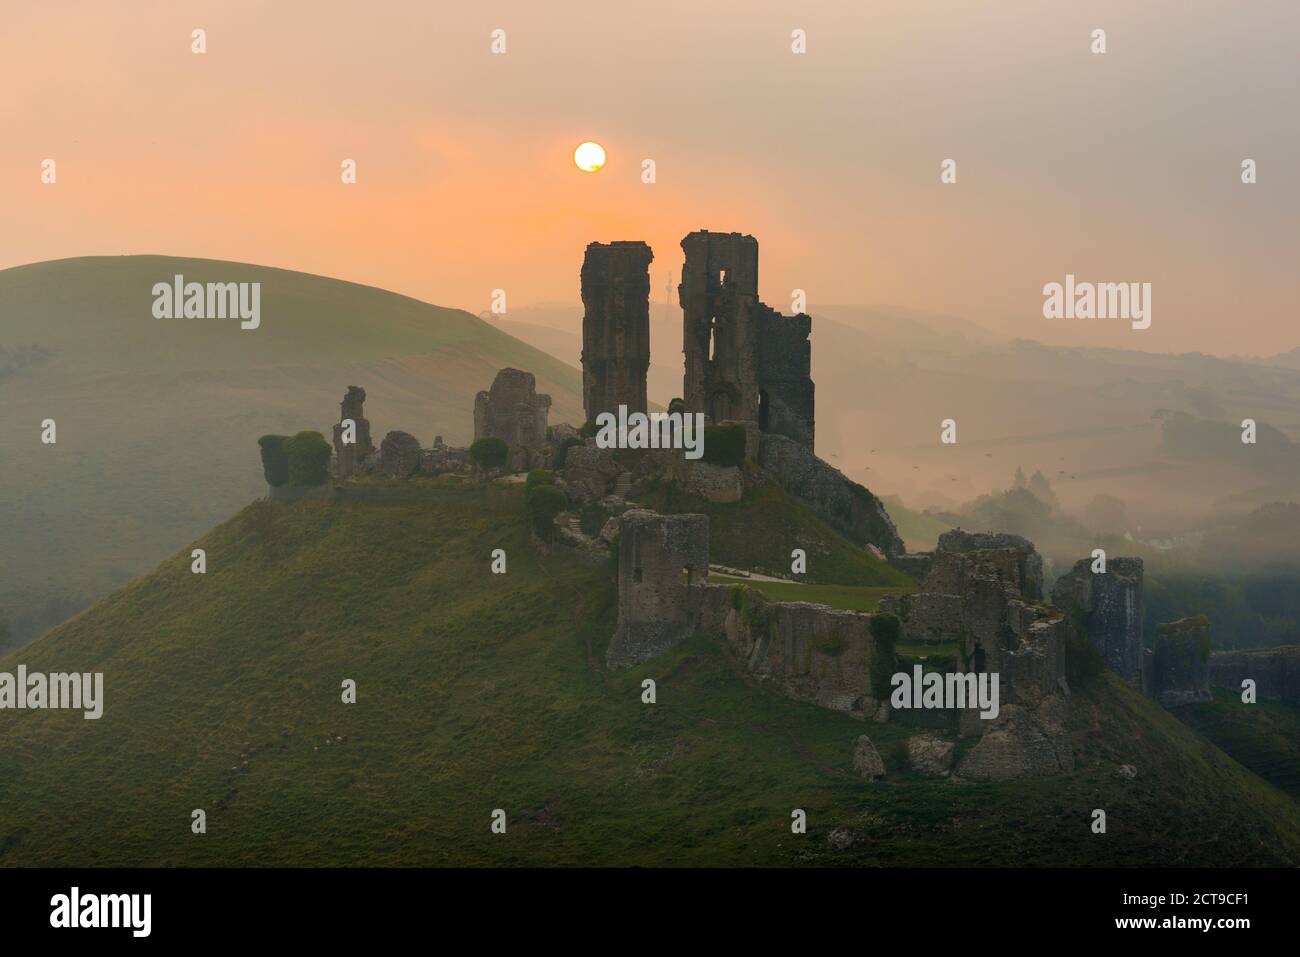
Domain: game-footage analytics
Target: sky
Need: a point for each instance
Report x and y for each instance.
(1118, 167)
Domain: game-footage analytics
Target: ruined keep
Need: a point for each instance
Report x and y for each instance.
(615, 327)
(744, 361)
(663, 569)
(513, 411)
(348, 455)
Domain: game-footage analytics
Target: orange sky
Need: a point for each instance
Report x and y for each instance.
(1122, 167)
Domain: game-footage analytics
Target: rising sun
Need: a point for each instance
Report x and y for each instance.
(589, 156)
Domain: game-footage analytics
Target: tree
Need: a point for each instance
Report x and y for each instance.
(275, 459)
(489, 453)
(309, 459)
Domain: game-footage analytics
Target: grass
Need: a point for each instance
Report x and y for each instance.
(759, 532)
(848, 597)
(157, 419)
(478, 691)
(1264, 736)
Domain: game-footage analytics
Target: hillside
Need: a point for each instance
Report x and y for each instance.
(157, 419)
(477, 691)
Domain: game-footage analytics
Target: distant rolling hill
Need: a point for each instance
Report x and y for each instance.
(158, 419)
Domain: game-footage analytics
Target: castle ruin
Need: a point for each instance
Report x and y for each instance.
(663, 569)
(744, 361)
(513, 411)
(1109, 606)
(615, 327)
(348, 455)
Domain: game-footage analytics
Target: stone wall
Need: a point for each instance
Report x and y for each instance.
(513, 411)
(801, 650)
(1276, 672)
(615, 327)
(663, 567)
(1179, 670)
(1108, 606)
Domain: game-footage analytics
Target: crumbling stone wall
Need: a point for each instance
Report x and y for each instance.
(840, 502)
(615, 326)
(785, 396)
(1276, 672)
(348, 457)
(1108, 607)
(513, 411)
(744, 361)
(1180, 662)
(663, 567)
(801, 650)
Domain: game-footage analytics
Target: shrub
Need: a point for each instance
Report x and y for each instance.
(489, 453)
(562, 453)
(543, 502)
(885, 629)
(589, 429)
(275, 459)
(309, 459)
(724, 444)
(539, 477)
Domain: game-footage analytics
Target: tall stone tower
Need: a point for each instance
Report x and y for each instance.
(744, 361)
(719, 285)
(615, 326)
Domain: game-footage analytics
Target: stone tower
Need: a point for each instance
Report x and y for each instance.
(744, 361)
(615, 326)
(1109, 607)
(348, 456)
(663, 570)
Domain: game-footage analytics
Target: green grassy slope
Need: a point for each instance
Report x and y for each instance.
(759, 532)
(1264, 736)
(480, 691)
(157, 419)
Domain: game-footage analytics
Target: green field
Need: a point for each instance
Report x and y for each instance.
(480, 691)
(158, 419)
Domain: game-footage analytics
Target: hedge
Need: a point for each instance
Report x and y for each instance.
(309, 459)
(275, 459)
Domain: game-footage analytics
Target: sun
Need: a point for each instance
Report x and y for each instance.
(589, 156)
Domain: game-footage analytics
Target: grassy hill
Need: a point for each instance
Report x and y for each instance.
(479, 691)
(157, 419)
(1264, 736)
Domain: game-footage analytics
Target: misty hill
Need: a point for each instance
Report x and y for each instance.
(478, 691)
(157, 419)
